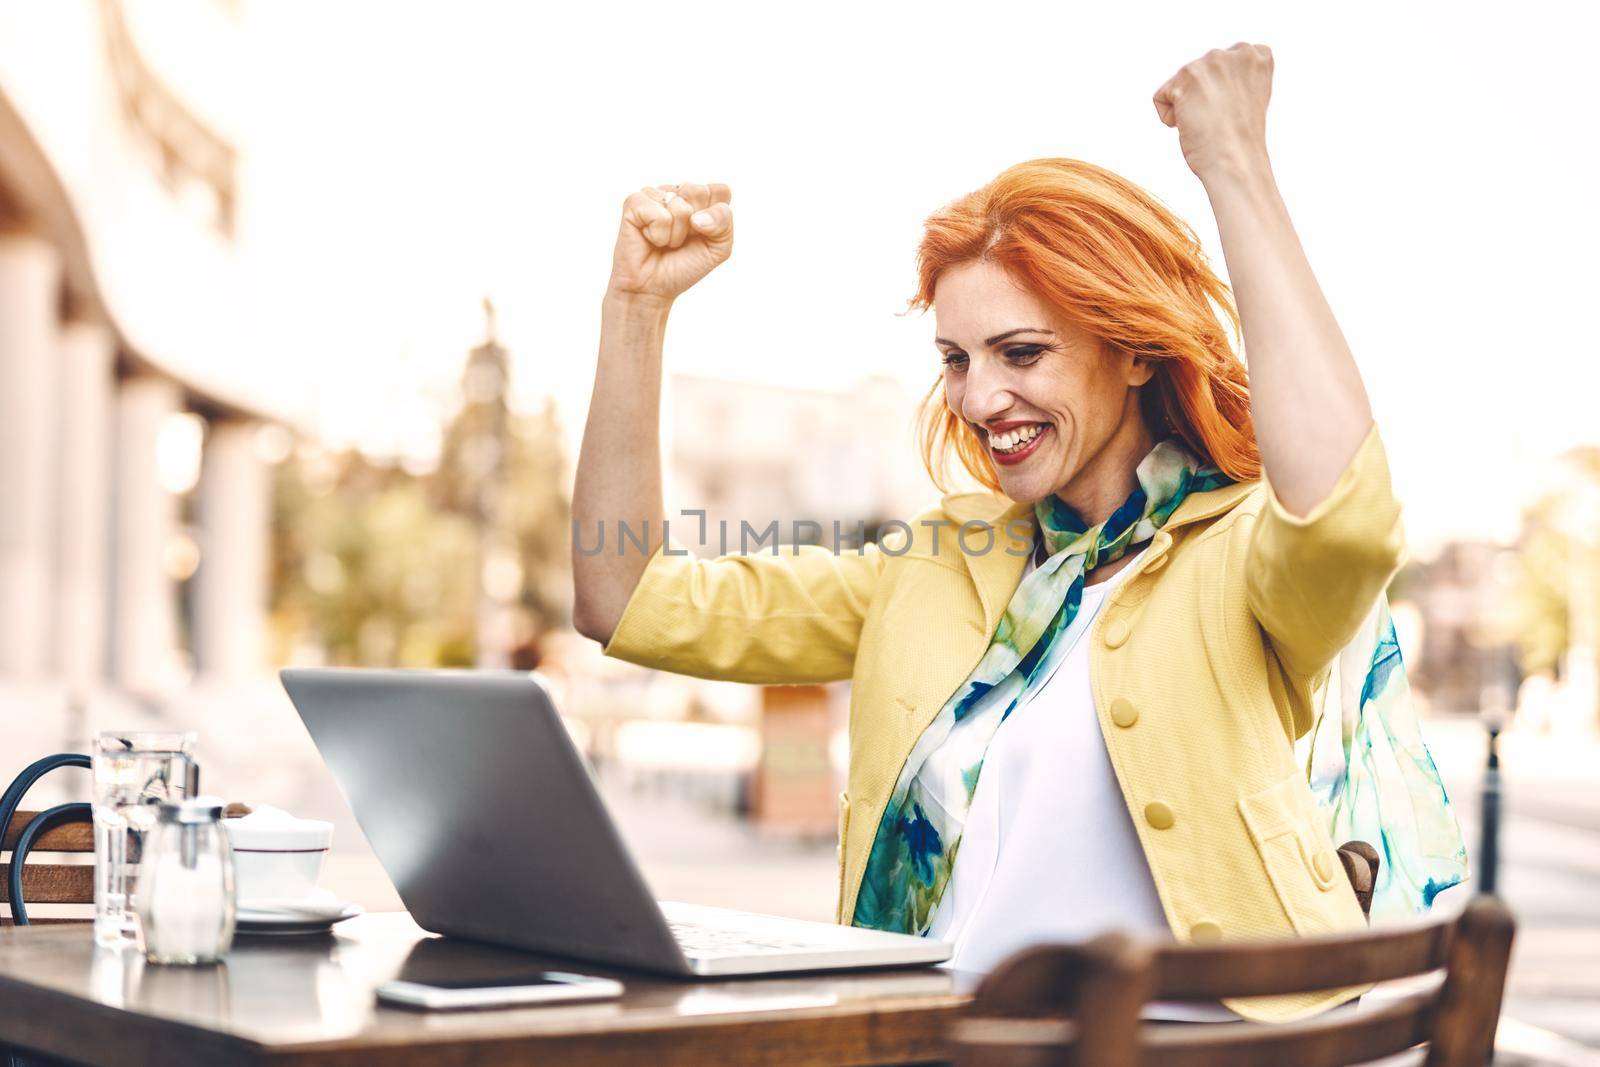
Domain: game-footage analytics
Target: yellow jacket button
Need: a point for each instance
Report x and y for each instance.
(1205, 930)
(1116, 632)
(1323, 863)
(1123, 713)
(1158, 815)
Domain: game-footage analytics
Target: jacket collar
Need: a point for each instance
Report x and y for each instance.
(1207, 505)
(997, 572)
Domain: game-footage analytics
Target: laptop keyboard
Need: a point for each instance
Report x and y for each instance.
(697, 940)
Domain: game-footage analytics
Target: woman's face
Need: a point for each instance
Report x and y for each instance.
(1053, 404)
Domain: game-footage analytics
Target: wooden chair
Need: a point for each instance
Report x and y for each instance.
(49, 883)
(1080, 1004)
(64, 828)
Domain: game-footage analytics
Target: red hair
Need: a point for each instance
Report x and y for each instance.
(1116, 263)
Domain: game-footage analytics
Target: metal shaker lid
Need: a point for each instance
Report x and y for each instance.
(191, 810)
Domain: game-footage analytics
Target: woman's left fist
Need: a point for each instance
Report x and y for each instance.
(1219, 105)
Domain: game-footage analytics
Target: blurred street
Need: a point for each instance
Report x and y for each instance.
(1549, 865)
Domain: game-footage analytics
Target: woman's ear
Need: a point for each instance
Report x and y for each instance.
(1141, 370)
(1136, 369)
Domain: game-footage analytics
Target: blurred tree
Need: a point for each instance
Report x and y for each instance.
(537, 514)
(506, 474)
(375, 566)
(1556, 562)
(366, 568)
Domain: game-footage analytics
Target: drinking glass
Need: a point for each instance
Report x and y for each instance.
(133, 772)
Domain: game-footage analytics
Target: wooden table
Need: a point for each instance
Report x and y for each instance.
(310, 1001)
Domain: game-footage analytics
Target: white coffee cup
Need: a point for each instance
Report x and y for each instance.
(276, 855)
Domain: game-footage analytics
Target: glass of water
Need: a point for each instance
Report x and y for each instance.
(133, 772)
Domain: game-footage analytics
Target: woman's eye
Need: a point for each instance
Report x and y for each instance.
(1019, 354)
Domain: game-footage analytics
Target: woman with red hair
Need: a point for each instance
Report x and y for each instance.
(1128, 630)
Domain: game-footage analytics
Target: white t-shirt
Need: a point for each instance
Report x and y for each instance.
(1048, 851)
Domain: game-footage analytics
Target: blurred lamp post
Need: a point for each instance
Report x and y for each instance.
(1496, 703)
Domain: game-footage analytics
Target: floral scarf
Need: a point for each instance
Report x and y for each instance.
(1391, 793)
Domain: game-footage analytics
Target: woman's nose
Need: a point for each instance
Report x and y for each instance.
(987, 395)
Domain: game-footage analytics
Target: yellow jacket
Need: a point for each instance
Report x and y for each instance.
(1203, 665)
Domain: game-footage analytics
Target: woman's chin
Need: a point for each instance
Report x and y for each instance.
(1024, 487)
(1034, 478)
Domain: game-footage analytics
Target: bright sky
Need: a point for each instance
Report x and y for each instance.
(1437, 161)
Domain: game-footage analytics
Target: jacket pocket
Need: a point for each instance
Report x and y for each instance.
(844, 826)
(1297, 856)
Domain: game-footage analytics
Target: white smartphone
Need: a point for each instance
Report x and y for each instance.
(502, 990)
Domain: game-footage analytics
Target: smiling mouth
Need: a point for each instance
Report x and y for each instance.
(1018, 443)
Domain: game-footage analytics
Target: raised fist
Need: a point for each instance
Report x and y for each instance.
(671, 237)
(1219, 105)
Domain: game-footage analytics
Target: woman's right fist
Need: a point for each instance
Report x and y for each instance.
(667, 243)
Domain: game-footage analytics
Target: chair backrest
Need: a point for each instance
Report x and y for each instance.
(49, 883)
(1080, 1004)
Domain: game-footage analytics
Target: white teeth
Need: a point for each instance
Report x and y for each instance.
(1014, 439)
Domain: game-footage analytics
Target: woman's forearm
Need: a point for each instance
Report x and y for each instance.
(1307, 399)
(619, 464)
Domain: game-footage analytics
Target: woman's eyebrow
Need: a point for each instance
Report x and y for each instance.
(997, 338)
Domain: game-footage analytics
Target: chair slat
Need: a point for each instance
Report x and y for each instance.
(1474, 985)
(51, 883)
(72, 837)
(1242, 969)
(1321, 1042)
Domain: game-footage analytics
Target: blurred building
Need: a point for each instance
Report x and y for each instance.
(751, 456)
(476, 451)
(133, 531)
(760, 454)
(1455, 593)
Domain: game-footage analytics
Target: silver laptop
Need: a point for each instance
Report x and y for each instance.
(485, 815)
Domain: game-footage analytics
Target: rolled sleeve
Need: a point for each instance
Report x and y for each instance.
(789, 618)
(1312, 579)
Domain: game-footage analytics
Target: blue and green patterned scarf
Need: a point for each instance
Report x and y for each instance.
(1373, 777)
(915, 847)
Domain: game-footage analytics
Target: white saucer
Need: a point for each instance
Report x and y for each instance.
(313, 915)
